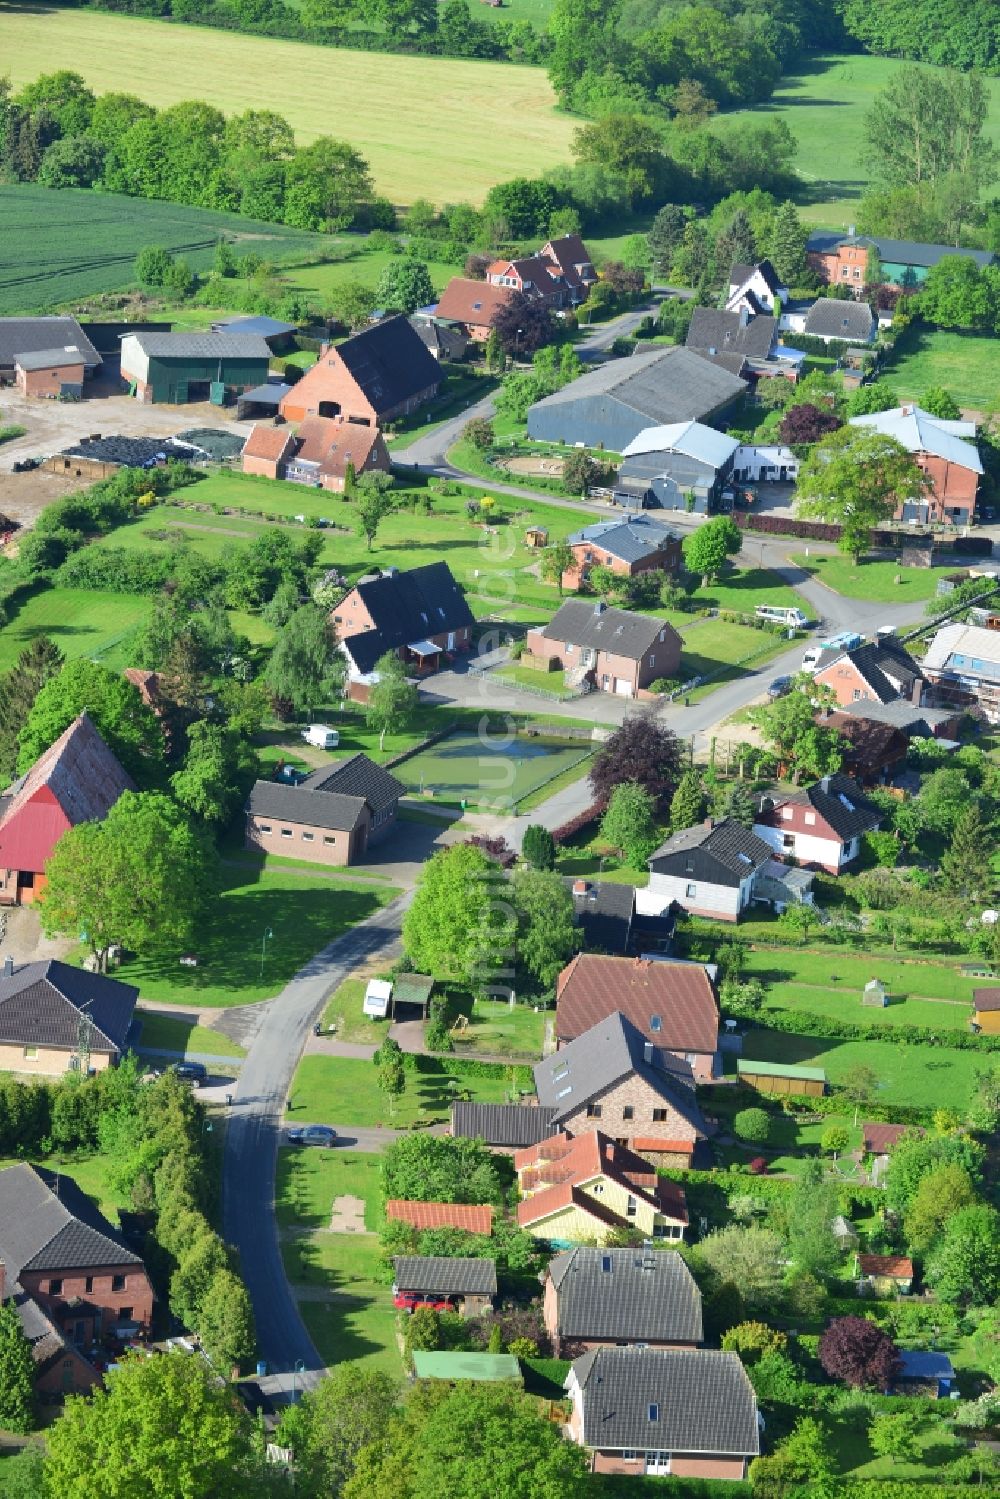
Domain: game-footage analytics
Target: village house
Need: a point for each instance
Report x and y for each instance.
(601, 1298)
(471, 305)
(603, 911)
(470, 1285)
(420, 615)
(23, 339)
(946, 454)
(962, 663)
(449, 345)
(629, 546)
(820, 826)
(318, 454)
(373, 378)
(916, 721)
(560, 274)
(588, 1187)
(672, 1004)
(331, 818)
(686, 466)
(55, 1017)
(613, 1080)
(707, 870)
(872, 752)
(615, 649)
(504, 1127)
(77, 1286)
(179, 367)
(76, 780)
(758, 288)
(686, 1412)
(52, 374)
(751, 336)
(842, 260)
(831, 320)
(879, 671)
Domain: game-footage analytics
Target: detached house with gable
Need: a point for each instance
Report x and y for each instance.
(419, 615)
(56, 1018)
(947, 454)
(716, 869)
(882, 672)
(820, 826)
(329, 818)
(600, 1298)
(758, 288)
(372, 378)
(616, 650)
(629, 546)
(588, 1187)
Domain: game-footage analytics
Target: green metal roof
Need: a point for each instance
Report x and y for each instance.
(412, 988)
(781, 1069)
(466, 1365)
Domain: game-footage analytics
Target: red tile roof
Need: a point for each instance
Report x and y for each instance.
(878, 1139)
(986, 999)
(331, 443)
(472, 302)
(554, 1199)
(559, 1169)
(897, 1266)
(269, 443)
(593, 987)
(476, 1219)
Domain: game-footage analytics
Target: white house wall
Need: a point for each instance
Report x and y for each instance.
(723, 901)
(808, 848)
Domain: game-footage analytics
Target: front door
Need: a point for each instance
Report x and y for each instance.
(451, 640)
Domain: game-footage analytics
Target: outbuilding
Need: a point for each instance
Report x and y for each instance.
(179, 367)
(684, 466)
(53, 374)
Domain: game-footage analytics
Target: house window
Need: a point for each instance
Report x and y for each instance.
(786, 814)
(810, 819)
(286, 832)
(55, 1287)
(606, 1263)
(856, 695)
(308, 837)
(125, 1314)
(598, 1189)
(690, 889)
(265, 827)
(654, 1412)
(628, 1112)
(327, 839)
(117, 1282)
(31, 1053)
(788, 840)
(88, 1284)
(655, 1023)
(631, 1207)
(593, 1111)
(659, 1230)
(659, 1116)
(628, 1456)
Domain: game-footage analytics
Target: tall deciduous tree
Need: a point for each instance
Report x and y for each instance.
(139, 879)
(855, 479)
(305, 666)
(643, 751)
(392, 699)
(546, 936)
(707, 549)
(940, 403)
(788, 726)
(226, 1322)
(404, 285)
(327, 181)
(926, 126)
(964, 1267)
(938, 1197)
(219, 769)
(129, 728)
(452, 901)
(556, 560)
(753, 1258)
(437, 1168)
(858, 1352)
(522, 325)
(629, 824)
(372, 504)
(17, 1372)
(347, 1411)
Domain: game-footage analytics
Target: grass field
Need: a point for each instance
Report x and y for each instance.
(170, 1033)
(63, 246)
(711, 644)
(964, 363)
(445, 129)
(320, 280)
(467, 767)
(744, 588)
(335, 1090)
(308, 1180)
(924, 1076)
(81, 621)
(90, 1172)
(875, 581)
(824, 104)
(303, 914)
(496, 1028)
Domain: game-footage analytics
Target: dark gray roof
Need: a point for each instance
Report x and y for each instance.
(900, 714)
(41, 1004)
(45, 359)
(357, 776)
(830, 318)
(332, 797)
(446, 1277)
(598, 627)
(715, 332)
(609, 1051)
(883, 664)
(260, 327)
(405, 607)
(896, 251)
(442, 341)
(511, 1124)
(389, 363)
(667, 1399)
(720, 854)
(271, 393)
(840, 802)
(47, 1223)
(634, 1294)
(201, 345)
(741, 273)
(669, 385)
(29, 335)
(631, 540)
(604, 914)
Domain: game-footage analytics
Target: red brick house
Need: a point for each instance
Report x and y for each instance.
(420, 615)
(76, 780)
(77, 1286)
(472, 304)
(672, 1004)
(601, 1298)
(51, 373)
(819, 826)
(267, 450)
(947, 454)
(569, 262)
(372, 378)
(617, 650)
(317, 454)
(686, 1412)
(628, 547)
(329, 818)
(878, 672)
(561, 274)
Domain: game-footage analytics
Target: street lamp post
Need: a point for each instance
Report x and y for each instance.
(268, 935)
(297, 1369)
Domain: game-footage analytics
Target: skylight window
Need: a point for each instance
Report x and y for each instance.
(564, 1092)
(654, 1412)
(606, 1263)
(655, 1023)
(744, 858)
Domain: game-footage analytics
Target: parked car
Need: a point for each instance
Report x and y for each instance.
(313, 1134)
(191, 1072)
(779, 687)
(409, 1301)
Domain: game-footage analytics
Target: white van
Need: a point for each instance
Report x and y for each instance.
(793, 618)
(322, 737)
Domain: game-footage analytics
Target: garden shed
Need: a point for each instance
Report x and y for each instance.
(781, 1079)
(875, 994)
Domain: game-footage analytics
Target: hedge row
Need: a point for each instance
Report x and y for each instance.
(806, 1023)
(833, 1103)
(566, 830)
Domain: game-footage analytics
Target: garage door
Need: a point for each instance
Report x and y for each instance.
(623, 687)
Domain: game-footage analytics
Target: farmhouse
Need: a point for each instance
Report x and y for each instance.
(707, 870)
(420, 615)
(76, 780)
(318, 454)
(628, 547)
(963, 665)
(586, 1188)
(471, 305)
(820, 826)
(685, 466)
(751, 336)
(672, 1004)
(615, 649)
(329, 818)
(943, 450)
(374, 377)
(842, 259)
(608, 406)
(599, 1298)
(56, 1018)
(611, 1078)
(77, 1286)
(21, 337)
(180, 367)
(758, 288)
(879, 671)
(687, 1412)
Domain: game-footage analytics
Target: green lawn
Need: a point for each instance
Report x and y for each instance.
(923, 1076)
(529, 676)
(341, 1090)
(344, 1010)
(320, 280)
(791, 1142)
(588, 855)
(309, 1179)
(303, 915)
(714, 648)
(824, 103)
(743, 589)
(81, 621)
(357, 1322)
(964, 363)
(841, 971)
(496, 1029)
(473, 768)
(875, 581)
(170, 1033)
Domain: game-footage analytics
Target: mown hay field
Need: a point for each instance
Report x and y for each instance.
(440, 128)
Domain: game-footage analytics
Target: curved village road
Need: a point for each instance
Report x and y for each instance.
(254, 1130)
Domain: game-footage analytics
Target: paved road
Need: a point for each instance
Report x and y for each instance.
(254, 1127)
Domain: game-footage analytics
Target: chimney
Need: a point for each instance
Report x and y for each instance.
(647, 1052)
(851, 230)
(824, 784)
(8, 967)
(744, 316)
(580, 887)
(600, 606)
